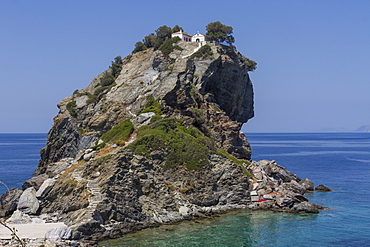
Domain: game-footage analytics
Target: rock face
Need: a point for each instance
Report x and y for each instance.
(35, 182)
(220, 86)
(9, 201)
(309, 186)
(28, 203)
(159, 143)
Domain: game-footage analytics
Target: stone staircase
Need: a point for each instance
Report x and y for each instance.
(95, 197)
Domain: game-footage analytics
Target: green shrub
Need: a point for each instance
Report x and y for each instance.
(139, 46)
(249, 64)
(152, 105)
(154, 109)
(120, 132)
(169, 46)
(99, 90)
(155, 118)
(109, 76)
(71, 108)
(107, 79)
(185, 146)
(99, 146)
(92, 98)
(194, 92)
(203, 52)
(198, 115)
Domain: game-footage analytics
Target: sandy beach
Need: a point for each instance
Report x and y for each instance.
(31, 230)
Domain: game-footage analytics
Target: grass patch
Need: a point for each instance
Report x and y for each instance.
(99, 146)
(185, 146)
(120, 132)
(239, 162)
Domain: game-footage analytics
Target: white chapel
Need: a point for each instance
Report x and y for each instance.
(198, 37)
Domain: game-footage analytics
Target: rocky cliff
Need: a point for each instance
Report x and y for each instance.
(156, 138)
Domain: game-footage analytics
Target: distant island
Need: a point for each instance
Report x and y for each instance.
(363, 128)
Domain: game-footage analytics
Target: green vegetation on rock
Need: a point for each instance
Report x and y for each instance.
(204, 52)
(152, 105)
(139, 46)
(71, 108)
(185, 146)
(120, 132)
(169, 46)
(218, 32)
(106, 81)
(235, 160)
(157, 39)
(249, 64)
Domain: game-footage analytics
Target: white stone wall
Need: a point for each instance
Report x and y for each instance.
(198, 37)
(182, 36)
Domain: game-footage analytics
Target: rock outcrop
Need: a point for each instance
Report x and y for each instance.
(157, 142)
(28, 202)
(322, 188)
(9, 201)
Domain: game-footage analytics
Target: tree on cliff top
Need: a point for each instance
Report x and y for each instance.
(161, 35)
(164, 32)
(218, 32)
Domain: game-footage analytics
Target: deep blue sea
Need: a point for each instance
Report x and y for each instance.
(19, 155)
(340, 161)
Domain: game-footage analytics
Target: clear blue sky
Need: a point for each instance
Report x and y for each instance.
(313, 56)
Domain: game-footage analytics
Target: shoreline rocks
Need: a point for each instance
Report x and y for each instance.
(322, 188)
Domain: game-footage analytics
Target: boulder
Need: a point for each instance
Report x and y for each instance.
(307, 184)
(292, 187)
(143, 118)
(284, 175)
(184, 211)
(322, 188)
(284, 202)
(306, 207)
(59, 233)
(35, 182)
(9, 201)
(45, 188)
(28, 202)
(18, 217)
(89, 155)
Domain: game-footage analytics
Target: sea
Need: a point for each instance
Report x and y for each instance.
(340, 161)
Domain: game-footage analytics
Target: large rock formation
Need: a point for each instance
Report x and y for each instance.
(159, 141)
(220, 86)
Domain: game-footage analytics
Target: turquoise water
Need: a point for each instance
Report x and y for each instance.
(340, 161)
